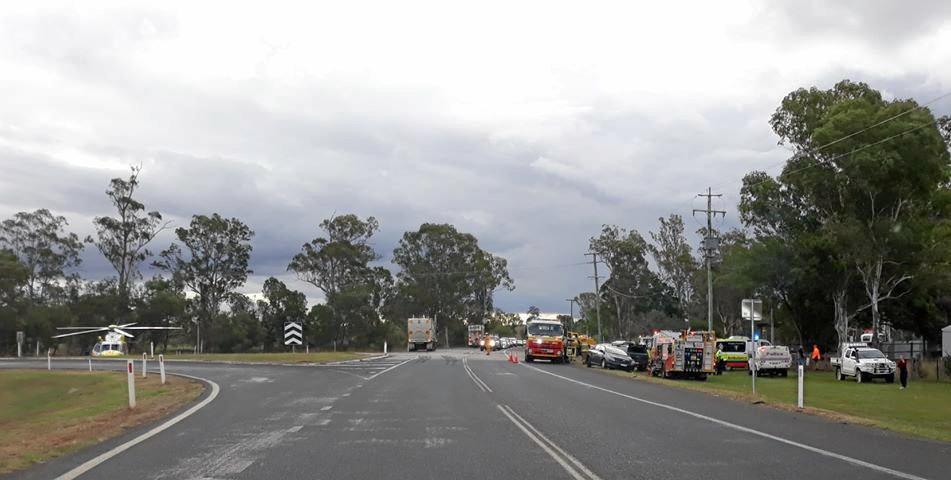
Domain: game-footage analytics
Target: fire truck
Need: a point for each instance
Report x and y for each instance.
(546, 340)
(475, 335)
(688, 355)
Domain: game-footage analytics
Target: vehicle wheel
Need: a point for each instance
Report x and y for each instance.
(587, 361)
(784, 373)
(838, 374)
(604, 364)
(702, 377)
(890, 378)
(528, 358)
(859, 377)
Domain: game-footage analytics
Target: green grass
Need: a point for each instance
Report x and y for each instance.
(44, 414)
(281, 357)
(923, 409)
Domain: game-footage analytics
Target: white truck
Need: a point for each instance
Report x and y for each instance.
(421, 333)
(771, 360)
(862, 362)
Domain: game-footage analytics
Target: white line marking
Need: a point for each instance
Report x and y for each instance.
(371, 377)
(93, 463)
(810, 448)
(328, 407)
(554, 445)
(295, 428)
(345, 395)
(571, 471)
(475, 378)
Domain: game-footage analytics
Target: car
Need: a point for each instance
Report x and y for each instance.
(636, 351)
(609, 357)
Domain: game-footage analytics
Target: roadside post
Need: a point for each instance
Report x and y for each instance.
(151, 349)
(384, 347)
(161, 367)
(801, 374)
(90, 363)
(145, 370)
(49, 361)
(20, 337)
(130, 378)
(753, 309)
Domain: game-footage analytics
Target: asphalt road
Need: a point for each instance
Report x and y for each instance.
(459, 414)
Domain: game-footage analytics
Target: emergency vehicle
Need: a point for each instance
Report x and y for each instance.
(546, 340)
(734, 351)
(112, 346)
(689, 355)
(475, 335)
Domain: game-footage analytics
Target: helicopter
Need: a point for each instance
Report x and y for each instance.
(114, 344)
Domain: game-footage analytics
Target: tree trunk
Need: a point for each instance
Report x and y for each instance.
(873, 297)
(839, 300)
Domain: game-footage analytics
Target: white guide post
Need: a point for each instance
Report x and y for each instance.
(161, 367)
(130, 378)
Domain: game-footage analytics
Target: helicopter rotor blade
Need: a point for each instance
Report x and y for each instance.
(127, 325)
(153, 328)
(123, 333)
(82, 328)
(79, 333)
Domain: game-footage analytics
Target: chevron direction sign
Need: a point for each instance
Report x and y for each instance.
(293, 334)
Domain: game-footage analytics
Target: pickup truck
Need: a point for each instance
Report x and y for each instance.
(771, 360)
(862, 362)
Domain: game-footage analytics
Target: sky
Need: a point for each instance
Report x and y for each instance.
(528, 124)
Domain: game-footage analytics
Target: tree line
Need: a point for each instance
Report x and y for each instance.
(852, 234)
(443, 273)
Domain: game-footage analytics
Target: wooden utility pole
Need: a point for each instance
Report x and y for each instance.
(710, 245)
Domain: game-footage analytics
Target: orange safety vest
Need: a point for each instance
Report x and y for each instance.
(815, 353)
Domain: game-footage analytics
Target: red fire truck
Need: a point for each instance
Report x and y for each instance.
(546, 340)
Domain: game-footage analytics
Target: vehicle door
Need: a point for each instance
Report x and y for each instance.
(849, 361)
(596, 353)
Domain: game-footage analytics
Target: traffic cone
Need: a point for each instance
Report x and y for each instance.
(515, 358)
(509, 356)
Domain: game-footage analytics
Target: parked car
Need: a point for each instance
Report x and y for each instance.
(636, 351)
(864, 363)
(609, 357)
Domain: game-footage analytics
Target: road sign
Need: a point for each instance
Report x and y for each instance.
(752, 309)
(293, 334)
(20, 337)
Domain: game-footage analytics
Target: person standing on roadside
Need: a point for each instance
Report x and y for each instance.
(719, 357)
(902, 365)
(816, 356)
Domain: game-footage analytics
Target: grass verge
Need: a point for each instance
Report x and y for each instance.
(48, 414)
(923, 409)
(280, 357)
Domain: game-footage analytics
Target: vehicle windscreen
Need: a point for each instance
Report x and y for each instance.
(614, 351)
(733, 347)
(637, 349)
(866, 354)
(546, 329)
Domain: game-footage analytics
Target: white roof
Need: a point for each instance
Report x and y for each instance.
(946, 329)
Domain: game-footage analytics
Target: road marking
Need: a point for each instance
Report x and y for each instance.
(93, 463)
(548, 446)
(371, 377)
(475, 378)
(295, 428)
(810, 448)
(345, 395)
(328, 407)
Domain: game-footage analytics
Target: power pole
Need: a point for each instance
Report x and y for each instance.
(597, 292)
(710, 245)
(571, 307)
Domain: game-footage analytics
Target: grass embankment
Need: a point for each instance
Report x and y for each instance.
(923, 409)
(279, 357)
(46, 414)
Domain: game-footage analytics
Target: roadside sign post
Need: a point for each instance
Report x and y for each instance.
(752, 309)
(145, 369)
(161, 367)
(801, 374)
(20, 337)
(130, 378)
(293, 334)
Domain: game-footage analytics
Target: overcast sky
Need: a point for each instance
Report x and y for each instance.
(527, 124)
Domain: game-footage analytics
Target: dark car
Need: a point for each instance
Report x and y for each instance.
(637, 352)
(609, 356)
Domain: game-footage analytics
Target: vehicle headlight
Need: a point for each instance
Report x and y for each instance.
(538, 341)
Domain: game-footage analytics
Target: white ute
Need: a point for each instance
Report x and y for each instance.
(771, 360)
(862, 362)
